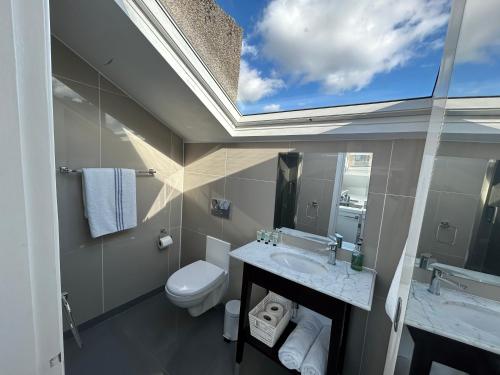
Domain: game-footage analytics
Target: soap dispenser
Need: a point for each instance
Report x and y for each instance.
(357, 256)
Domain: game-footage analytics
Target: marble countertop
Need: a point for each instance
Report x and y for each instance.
(455, 314)
(339, 281)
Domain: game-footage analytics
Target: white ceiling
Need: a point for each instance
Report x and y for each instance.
(98, 31)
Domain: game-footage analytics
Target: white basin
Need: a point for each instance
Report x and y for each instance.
(298, 263)
(479, 317)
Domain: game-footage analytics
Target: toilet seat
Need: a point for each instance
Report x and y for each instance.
(195, 279)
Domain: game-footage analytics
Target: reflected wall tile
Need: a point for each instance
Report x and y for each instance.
(457, 210)
(67, 64)
(371, 231)
(258, 161)
(310, 191)
(81, 275)
(193, 247)
(205, 158)
(480, 150)
(394, 231)
(319, 166)
(459, 175)
(405, 167)
(198, 191)
(252, 208)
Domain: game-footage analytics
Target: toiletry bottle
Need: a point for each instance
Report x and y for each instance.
(259, 235)
(266, 237)
(357, 257)
(275, 237)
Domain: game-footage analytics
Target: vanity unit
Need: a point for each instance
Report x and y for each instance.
(305, 277)
(454, 328)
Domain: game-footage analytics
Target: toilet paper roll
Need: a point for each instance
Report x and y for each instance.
(165, 241)
(268, 318)
(276, 309)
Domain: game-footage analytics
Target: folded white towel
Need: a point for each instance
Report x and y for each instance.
(317, 358)
(392, 296)
(296, 346)
(109, 199)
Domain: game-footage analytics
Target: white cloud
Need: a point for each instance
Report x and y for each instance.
(252, 86)
(248, 49)
(271, 108)
(480, 34)
(344, 44)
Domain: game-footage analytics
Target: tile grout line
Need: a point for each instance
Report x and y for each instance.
(224, 194)
(376, 253)
(100, 165)
(182, 203)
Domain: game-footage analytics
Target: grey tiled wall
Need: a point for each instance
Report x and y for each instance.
(245, 173)
(97, 125)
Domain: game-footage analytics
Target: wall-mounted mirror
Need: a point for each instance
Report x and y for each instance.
(461, 224)
(323, 194)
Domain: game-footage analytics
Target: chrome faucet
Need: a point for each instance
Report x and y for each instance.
(439, 275)
(332, 252)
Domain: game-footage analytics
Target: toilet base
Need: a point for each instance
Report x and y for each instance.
(210, 301)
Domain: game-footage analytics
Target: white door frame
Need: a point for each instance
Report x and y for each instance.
(30, 287)
(436, 123)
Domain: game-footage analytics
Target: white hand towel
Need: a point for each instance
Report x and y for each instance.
(296, 346)
(392, 297)
(317, 358)
(109, 198)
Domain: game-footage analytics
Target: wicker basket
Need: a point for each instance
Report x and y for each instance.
(262, 330)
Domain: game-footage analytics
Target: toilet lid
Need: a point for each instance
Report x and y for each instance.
(194, 278)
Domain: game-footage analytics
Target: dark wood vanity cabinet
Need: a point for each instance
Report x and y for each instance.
(430, 347)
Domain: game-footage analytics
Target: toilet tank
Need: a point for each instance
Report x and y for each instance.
(217, 252)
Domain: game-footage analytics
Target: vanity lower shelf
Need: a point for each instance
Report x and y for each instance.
(272, 353)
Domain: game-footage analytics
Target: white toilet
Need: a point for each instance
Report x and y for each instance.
(201, 285)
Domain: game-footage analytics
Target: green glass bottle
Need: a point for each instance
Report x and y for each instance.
(357, 257)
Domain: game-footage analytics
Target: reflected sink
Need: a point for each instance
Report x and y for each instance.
(479, 317)
(298, 263)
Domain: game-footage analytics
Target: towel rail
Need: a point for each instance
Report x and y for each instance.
(148, 172)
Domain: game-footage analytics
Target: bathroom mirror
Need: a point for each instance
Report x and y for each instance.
(461, 225)
(323, 194)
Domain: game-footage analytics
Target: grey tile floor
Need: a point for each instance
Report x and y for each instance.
(155, 337)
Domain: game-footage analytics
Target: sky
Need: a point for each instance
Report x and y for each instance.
(299, 54)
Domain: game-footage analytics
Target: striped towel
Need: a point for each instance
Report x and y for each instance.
(109, 199)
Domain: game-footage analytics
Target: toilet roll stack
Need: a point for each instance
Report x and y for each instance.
(276, 309)
(268, 318)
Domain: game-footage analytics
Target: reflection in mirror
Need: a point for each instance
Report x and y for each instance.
(323, 194)
(461, 226)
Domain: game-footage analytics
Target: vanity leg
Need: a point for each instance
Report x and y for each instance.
(246, 293)
(338, 339)
(421, 361)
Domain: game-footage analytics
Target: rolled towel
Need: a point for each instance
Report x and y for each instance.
(268, 318)
(296, 346)
(317, 357)
(276, 309)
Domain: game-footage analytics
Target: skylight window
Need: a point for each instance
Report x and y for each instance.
(477, 65)
(301, 54)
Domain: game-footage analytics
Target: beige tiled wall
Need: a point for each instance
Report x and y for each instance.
(97, 125)
(245, 173)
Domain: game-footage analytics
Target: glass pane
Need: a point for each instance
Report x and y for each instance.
(477, 67)
(309, 54)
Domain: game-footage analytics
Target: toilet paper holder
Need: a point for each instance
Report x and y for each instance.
(163, 234)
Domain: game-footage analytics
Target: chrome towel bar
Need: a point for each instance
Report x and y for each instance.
(148, 172)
